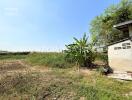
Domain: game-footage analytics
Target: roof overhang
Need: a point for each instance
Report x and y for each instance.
(129, 38)
(123, 26)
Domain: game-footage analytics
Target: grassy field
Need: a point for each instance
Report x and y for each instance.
(47, 76)
(53, 59)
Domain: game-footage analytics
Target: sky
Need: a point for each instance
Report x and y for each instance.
(46, 25)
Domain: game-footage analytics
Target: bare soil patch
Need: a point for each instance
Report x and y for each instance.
(11, 65)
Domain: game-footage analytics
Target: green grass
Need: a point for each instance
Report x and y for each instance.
(51, 59)
(62, 82)
(56, 60)
(62, 85)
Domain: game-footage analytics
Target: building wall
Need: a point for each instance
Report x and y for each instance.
(120, 56)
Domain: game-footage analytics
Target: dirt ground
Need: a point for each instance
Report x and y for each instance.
(19, 66)
(22, 81)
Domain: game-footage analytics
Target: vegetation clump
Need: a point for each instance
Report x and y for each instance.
(80, 52)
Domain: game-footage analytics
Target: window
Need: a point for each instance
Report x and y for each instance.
(123, 47)
(125, 44)
(117, 48)
(128, 47)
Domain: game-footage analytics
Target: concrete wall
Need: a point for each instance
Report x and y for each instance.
(120, 56)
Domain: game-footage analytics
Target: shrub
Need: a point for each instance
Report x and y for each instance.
(103, 57)
(80, 52)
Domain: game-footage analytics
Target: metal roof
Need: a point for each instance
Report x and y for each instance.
(123, 24)
(129, 38)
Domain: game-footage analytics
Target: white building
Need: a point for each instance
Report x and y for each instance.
(120, 53)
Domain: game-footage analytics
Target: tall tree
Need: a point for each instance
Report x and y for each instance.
(102, 30)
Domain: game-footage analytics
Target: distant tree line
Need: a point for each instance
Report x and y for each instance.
(13, 53)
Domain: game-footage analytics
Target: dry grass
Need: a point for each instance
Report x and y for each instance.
(20, 81)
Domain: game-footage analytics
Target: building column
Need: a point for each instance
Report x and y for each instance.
(130, 30)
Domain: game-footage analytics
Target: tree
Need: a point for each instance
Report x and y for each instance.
(80, 52)
(102, 30)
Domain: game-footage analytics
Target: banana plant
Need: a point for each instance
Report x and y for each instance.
(80, 51)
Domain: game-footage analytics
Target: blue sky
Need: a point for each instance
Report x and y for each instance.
(46, 25)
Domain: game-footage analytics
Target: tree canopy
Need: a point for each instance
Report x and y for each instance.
(102, 30)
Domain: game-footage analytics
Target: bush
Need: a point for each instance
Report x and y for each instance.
(80, 52)
(103, 57)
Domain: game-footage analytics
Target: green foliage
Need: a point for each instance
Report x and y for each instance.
(102, 26)
(102, 57)
(49, 59)
(80, 51)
